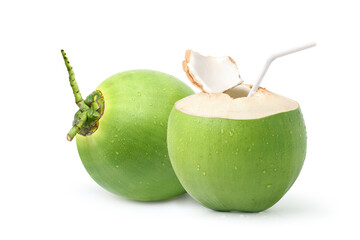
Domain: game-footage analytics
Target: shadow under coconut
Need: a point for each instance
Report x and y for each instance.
(181, 199)
(289, 207)
(94, 191)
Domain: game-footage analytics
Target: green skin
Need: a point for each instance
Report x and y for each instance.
(121, 132)
(127, 154)
(237, 165)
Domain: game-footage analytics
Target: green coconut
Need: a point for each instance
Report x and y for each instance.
(232, 152)
(121, 131)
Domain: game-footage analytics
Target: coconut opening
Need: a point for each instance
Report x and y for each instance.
(222, 105)
(211, 74)
(238, 91)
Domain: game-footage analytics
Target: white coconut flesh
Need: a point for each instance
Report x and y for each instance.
(211, 74)
(234, 104)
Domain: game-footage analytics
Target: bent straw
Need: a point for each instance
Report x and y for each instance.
(271, 59)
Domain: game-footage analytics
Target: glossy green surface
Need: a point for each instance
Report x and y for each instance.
(237, 165)
(128, 154)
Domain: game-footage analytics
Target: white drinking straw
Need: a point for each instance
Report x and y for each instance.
(271, 59)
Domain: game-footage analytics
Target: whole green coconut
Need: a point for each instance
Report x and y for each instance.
(121, 131)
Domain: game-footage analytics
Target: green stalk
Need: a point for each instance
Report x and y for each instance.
(91, 109)
(78, 100)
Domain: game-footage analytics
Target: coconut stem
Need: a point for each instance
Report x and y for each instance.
(84, 109)
(271, 59)
(86, 120)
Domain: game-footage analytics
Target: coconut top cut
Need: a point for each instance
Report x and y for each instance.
(224, 93)
(211, 74)
(233, 104)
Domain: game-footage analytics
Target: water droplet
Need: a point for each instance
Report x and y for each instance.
(139, 93)
(235, 167)
(275, 169)
(117, 153)
(198, 165)
(204, 173)
(112, 141)
(216, 151)
(249, 149)
(150, 104)
(264, 171)
(154, 122)
(290, 132)
(231, 133)
(273, 135)
(269, 185)
(222, 131)
(267, 142)
(162, 164)
(117, 166)
(253, 144)
(161, 124)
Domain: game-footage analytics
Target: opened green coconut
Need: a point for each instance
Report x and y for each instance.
(232, 152)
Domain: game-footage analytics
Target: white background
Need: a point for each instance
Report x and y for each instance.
(46, 192)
